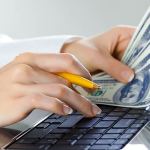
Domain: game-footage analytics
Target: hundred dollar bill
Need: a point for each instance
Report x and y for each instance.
(143, 60)
(133, 94)
(136, 93)
(140, 45)
(133, 41)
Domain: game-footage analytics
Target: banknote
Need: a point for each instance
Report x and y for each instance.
(136, 93)
(129, 49)
(137, 56)
(139, 47)
(144, 60)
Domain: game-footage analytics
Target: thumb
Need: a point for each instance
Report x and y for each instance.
(116, 69)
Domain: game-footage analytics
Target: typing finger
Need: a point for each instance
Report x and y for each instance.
(67, 96)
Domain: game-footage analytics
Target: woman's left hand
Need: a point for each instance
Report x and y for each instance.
(104, 52)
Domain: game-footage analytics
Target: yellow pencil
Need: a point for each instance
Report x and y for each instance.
(78, 80)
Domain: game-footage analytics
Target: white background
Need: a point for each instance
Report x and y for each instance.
(30, 18)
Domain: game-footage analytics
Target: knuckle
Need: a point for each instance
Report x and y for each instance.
(23, 57)
(87, 103)
(21, 70)
(61, 90)
(70, 59)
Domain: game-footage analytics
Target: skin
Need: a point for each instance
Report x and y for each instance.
(30, 82)
(103, 52)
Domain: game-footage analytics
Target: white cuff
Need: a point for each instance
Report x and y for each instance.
(50, 44)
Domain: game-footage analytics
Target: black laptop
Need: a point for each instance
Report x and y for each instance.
(113, 129)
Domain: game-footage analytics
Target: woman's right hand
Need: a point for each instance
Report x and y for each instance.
(29, 82)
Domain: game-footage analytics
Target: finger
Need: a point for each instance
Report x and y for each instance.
(115, 68)
(41, 76)
(67, 96)
(54, 63)
(41, 101)
(23, 73)
(114, 40)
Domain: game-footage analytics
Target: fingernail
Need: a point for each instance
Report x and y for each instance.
(67, 110)
(128, 76)
(96, 109)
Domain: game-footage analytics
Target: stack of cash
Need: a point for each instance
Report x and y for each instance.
(137, 56)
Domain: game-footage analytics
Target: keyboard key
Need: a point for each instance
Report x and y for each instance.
(105, 141)
(117, 114)
(86, 141)
(99, 147)
(26, 146)
(71, 121)
(69, 147)
(144, 117)
(101, 115)
(126, 136)
(73, 142)
(115, 130)
(124, 123)
(37, 133)
(55, 116)
(87, 123)
(66, 141)
(121, 141)
(92, 136)
(104, 124)
(43, 125)
(53, 136)
(92, 131)
(60, 131)
(72, 136)
(62, 119)
(110, 136)
(27, 141)
(131, 131)
(48, 141)
(76, 113)
(137, 125)
(141, 121)
(115, 147)
(111, 118)
(78, 136)
(78, 131)
(131, 116)
(50, 121)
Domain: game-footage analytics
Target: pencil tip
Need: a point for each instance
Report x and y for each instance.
(96, 86)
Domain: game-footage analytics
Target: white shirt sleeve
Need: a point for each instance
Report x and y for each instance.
(9, 49)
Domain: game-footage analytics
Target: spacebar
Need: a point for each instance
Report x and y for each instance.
(71, 121)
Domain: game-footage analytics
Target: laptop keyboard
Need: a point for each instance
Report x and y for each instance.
(111, 130)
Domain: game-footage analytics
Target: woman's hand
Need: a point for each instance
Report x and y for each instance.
(103, 52)
(29, 82)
